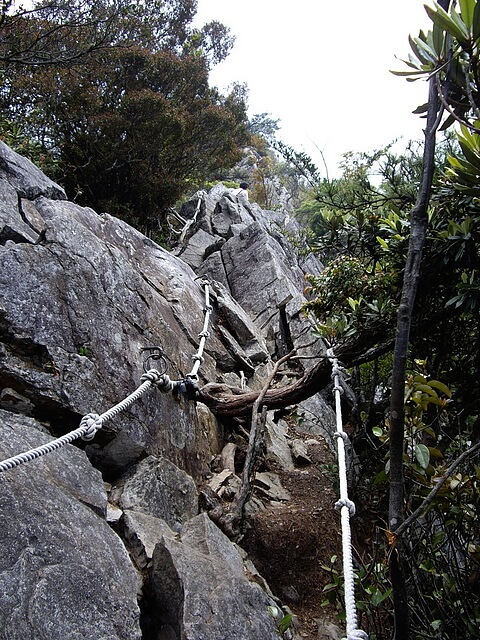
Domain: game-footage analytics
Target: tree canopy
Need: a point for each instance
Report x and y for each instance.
(117, 95)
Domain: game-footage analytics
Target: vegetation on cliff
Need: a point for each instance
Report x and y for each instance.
(410, 246)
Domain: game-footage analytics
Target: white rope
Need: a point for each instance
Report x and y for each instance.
(208, 309)
(346, 506)
(92, 422)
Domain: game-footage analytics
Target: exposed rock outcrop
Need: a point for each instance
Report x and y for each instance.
(63, 572)
(81, 294)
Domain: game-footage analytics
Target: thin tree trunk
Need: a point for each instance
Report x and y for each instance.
(418, 229)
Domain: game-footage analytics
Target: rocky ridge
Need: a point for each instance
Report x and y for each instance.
(107, 539)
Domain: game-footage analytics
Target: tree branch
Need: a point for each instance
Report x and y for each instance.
(431, 496)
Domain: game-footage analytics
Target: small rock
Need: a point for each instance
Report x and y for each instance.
(329, 631)
(291, 594)
(269, 484)
(228, 456)
(300, 452)
(219, 480)
(114, 513)
(13, 401)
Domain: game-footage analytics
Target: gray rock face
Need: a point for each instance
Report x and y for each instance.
(277, 444)
(257, 267)
(76, 309)
(81, 295)
(200, 585)
(63, 572)
(25, 178)
(142, 533)
(158, 488)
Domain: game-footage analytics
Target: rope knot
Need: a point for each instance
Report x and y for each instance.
(338, 370)
(92, 422)
(198, 358)
(339, 388)
(165, 384)
(342, 435)
(346, 502)
(152, 375)
(207, 308)
(204, 334)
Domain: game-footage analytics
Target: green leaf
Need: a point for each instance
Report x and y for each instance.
(438, 538)
(476, 22)
(454, 301)
(436, 384)
(438, 40)
(285, 623)
(471, 157)
(467, 9)
(378, 597)
(382, 243)
(411, 73)
(423, 108)
(422, 455)
(426, 388)
(420, 378)
(448, 122)
(377, 431)
(436, 401)
(441, 18)
(460, 24)
(422, 51)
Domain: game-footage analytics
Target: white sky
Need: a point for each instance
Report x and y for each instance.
(323, 68)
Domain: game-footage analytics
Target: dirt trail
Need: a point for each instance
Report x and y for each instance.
(289, 541)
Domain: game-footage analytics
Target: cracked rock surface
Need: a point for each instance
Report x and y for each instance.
(81, 294)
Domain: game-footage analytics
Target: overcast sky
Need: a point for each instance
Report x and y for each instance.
(323, 68)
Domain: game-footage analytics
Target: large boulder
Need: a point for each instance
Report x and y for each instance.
(200, 587)
(77, 304)
(63, 572)
(158, 488)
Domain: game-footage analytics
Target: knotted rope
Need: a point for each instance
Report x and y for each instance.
(92, 422)
(345, 505)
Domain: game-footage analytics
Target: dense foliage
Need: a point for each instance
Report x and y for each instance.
(128, 119)
(361, 225)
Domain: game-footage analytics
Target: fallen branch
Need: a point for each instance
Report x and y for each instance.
(255, 442)
(226, 401)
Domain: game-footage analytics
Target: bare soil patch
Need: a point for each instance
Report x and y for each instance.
(290, 541)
